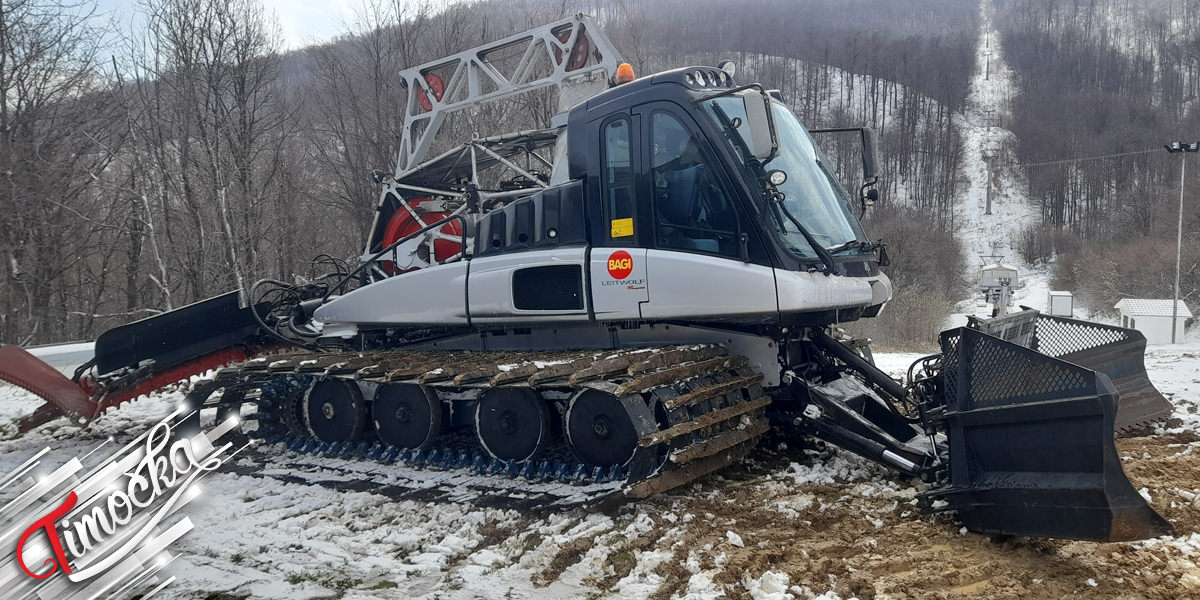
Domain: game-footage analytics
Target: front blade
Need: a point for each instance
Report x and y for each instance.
(1118, 352)
(1031, 446)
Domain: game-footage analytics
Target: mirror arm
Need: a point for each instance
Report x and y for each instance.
(766, 101)
(770, 127)
(862, 199)
(730, 91)
(870, 160)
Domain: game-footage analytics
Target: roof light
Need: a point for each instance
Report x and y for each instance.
(728, 67)
(624, 73)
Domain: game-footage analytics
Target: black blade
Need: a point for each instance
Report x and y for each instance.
(178, 335)
(1031, 446)
(1118, 352)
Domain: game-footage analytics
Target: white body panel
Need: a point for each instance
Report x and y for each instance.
(814, 291)
(696, 285)
(619, 295)
(436, 295)
(626, 284)
(491, 286)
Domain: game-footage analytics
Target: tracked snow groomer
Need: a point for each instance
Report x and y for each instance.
(625, 301)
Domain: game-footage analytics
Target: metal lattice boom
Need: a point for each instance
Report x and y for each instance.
(550, 55)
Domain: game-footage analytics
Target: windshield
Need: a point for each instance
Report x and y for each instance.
(811, 193)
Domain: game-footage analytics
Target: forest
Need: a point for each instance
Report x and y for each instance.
(147, 169)
(1113, 79)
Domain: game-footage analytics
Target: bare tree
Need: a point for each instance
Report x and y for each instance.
(212, 129)
(54, 141)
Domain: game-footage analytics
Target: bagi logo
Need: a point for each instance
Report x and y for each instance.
(620, 264)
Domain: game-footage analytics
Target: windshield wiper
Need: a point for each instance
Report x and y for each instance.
(850, 245)
(822, 253)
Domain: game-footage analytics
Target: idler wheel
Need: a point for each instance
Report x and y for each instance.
(406, 415)
(512, 423)
(600, 428)
(334, 410)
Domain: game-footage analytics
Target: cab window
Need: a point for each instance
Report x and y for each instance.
(618, 181)
(692, 212)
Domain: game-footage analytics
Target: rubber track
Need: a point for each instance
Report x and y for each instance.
(718, 395)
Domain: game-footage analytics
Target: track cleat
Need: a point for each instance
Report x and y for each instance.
(560, 471)
(478, 464)
(495, 467)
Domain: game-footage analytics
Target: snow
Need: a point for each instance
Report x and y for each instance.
(274, 527)
(1152, 308)
(1172, 369)
(735, 539)
(770, 586)
(990, 163)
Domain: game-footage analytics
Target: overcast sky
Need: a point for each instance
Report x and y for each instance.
(302, 22)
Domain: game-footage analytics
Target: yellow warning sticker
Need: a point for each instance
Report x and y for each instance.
(622, 227)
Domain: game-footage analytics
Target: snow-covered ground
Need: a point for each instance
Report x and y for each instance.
(990, 169)
(274, 526)
(267, 536)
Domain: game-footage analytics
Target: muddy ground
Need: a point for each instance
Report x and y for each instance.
(868, 540)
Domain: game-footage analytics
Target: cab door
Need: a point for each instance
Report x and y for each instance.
(617, 264)
(697, 264)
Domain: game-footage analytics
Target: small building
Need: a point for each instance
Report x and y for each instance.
(1060, 304)
(1153, 318)
(996, 275)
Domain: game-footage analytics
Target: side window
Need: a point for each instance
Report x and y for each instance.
(692, 212)
(619, 180)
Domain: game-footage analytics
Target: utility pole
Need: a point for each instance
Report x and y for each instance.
(989, 196)
(1181, 147)
(987, 160)
(987, 66)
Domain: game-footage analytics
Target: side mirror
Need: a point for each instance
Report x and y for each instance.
(762, 142)
(870, 150)
(870, 156)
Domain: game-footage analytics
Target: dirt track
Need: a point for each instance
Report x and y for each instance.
(867, 540)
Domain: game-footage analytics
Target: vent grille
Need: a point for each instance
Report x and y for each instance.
(556, 287)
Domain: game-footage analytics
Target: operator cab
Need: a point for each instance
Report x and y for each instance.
(685, 166)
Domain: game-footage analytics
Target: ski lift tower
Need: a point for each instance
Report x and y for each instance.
(996, 281)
